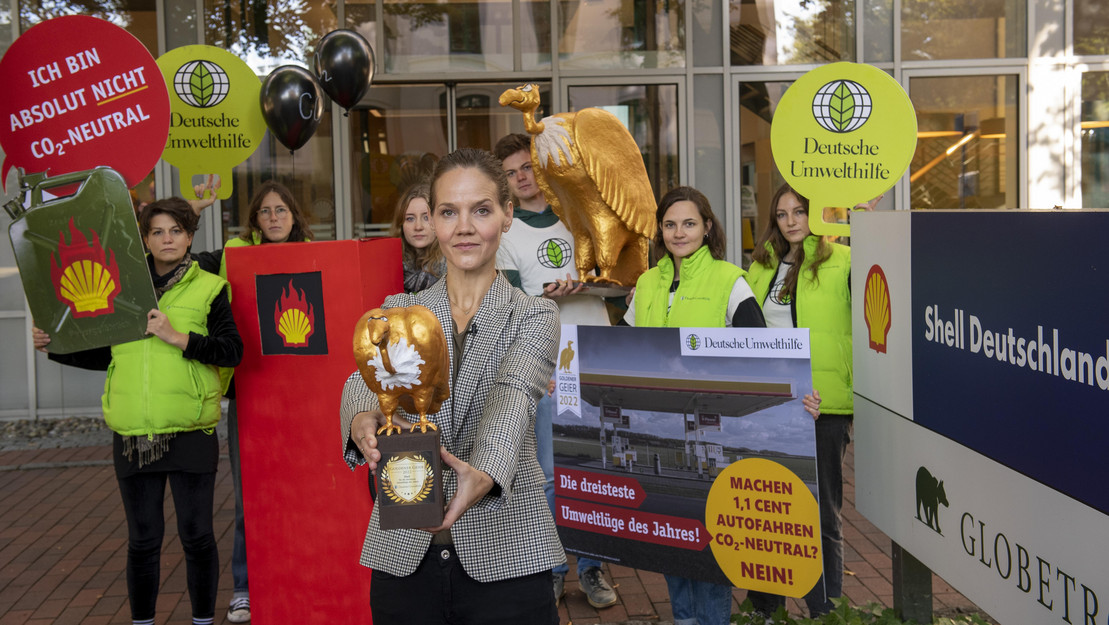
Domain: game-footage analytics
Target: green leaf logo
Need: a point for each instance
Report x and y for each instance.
(554, 253)
(842, 107)
(201, 84)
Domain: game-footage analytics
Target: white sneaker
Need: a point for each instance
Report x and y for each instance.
(239, 612)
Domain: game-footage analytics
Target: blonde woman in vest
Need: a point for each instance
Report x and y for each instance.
(490, 561)
(803, 281)
(423, 260)
(162, 400)
(274, 217)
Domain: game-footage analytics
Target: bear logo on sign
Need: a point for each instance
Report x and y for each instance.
(930, 495)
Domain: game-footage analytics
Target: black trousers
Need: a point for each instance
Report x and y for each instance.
(440, 592)
(143, 502)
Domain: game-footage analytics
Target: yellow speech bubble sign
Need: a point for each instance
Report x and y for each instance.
(842, 135)
(215, 120)
(765, 528)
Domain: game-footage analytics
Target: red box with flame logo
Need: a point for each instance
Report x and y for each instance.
(306, 513)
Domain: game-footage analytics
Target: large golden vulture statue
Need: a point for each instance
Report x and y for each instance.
(592, 173)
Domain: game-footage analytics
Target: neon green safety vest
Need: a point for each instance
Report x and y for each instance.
(824, 307)
(151, 387)
(701, 300)
(256, 239)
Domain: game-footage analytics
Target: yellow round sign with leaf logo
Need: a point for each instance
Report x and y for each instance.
(215, 119)
(842, 135)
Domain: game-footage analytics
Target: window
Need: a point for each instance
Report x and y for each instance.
(963, 29)
(138, 17)
(1095, 140)
(268, 33)
(406, 129)
(765, 32)
(966, 151)
(1091, 27)
(759, 177)
(597, 34)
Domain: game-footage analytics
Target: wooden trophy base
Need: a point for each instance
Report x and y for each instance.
(409, 481)
(600, 288)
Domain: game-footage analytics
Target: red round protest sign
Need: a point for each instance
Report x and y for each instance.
(81, 92)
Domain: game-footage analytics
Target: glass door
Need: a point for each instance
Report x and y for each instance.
(399, 132)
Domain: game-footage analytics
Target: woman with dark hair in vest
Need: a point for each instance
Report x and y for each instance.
(693, 286)
(804, 281)
(162, 400)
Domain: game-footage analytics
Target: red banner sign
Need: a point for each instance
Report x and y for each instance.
(660, 529)
(615, 490)
(82, 92)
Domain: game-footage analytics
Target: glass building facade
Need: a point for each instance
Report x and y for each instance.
(1011, 97)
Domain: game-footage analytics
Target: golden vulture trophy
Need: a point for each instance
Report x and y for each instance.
(591, 171)
(402, 356)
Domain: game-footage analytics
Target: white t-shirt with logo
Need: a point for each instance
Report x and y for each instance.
(545, 254)
(778, 309)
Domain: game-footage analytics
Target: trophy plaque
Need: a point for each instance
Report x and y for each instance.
(402, 356)
(408, 480)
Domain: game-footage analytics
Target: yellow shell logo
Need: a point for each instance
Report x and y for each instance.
(294, 317)
(84, 279)
(87, 284)
(294, 326)
(876, 308)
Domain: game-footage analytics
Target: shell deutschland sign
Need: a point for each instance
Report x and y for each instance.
(843, 134)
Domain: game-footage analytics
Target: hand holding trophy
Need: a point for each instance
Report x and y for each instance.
(402, 356)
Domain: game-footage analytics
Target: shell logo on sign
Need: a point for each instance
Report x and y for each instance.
(84, 278)
(876, 309)
(294, 317)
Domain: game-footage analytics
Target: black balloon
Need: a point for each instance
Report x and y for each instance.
(345, 66)
(292, 104)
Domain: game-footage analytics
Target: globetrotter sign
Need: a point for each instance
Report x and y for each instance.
(842, 135)
(980, 404)
(81, 92)
(215, 120)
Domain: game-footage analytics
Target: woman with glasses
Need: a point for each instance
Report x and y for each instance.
(274, 217)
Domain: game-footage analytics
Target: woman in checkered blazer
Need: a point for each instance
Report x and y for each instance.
(490, 560)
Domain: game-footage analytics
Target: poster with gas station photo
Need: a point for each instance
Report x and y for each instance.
(688, 451)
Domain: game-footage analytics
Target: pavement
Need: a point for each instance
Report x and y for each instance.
(63, 545)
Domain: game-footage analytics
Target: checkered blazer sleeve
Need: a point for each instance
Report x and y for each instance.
(357, 397)
(521, 380)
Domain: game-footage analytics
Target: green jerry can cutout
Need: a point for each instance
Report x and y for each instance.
(82, 260)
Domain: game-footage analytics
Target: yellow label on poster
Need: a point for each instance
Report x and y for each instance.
(765, 528)
(843, 134)
(215, 118)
